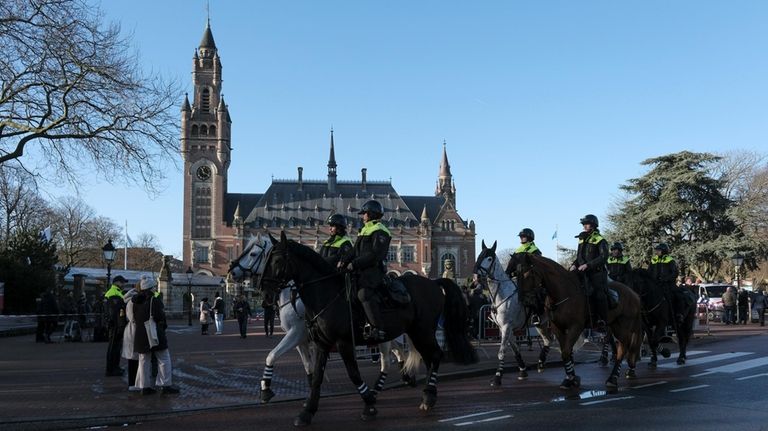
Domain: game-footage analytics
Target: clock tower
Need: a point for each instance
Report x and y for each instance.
(205, 149)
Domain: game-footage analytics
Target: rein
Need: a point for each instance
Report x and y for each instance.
(488, 277)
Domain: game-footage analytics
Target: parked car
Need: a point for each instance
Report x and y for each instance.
(712, 295)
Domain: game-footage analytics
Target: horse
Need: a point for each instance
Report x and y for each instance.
(335, 320)
(291, 309)
(567, 307)
(508, 313)
(657, 315)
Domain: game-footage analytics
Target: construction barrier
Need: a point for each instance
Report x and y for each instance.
(701, 323)
(488, 330)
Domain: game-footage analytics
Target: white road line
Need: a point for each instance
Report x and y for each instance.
(608, 400)
(753, 376)
(690, 388)
(469, 416)
(663, 382)
(497, 418)
(706, 373)
(740, 366)
(688, 353)
(707, 359)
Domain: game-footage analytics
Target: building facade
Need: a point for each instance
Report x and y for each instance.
(427, 231)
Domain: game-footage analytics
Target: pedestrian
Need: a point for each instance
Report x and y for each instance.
(759, 304)
(742, 301)
(129, 337)
(40, 331)
(218, 310)
(729, 306)
(50, 310)
(476, 301)
(242, 313)
(268, 304)
(205, 315)
(145, 307)
(115, 310)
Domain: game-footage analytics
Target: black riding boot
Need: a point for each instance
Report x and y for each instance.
(601, 309)
(371, 309)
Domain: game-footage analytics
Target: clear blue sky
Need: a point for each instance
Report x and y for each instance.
(546, 107)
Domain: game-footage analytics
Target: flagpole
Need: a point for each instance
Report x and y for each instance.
(125, 260)
(557, 244)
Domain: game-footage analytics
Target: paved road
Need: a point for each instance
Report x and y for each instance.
(724, 385)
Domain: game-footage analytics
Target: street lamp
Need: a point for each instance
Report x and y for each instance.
(189, 294)
(738, 260)
(109, 255)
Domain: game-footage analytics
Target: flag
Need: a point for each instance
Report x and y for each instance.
(128, 241)
(554, 235)
(45, 234)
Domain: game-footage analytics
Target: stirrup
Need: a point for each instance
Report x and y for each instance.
(535, 320)
(371, 333)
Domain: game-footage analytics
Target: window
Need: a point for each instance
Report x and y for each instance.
(407, 251)
(201, 254)
(212, 131)
(392, 254)
(203, 130)
(206, 102)
(202, 212)
(230, 253)
(195, 130)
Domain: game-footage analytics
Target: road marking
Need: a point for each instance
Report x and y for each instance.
(608, 400)
(707, 359)
(497, 418)
(705, 373)
(752, 377)
(740, 366)
(690, 388)
(469, 416)
(688, 353)
(663, 382)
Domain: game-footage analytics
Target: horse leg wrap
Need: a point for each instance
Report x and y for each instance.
(570, 371)
(380, 382)
(616, 369)
(364, 391)
(543, 354)
(520, 362)
(432, 382)
(266, 378)
(500, 369)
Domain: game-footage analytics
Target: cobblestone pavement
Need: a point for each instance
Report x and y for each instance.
(46, 386)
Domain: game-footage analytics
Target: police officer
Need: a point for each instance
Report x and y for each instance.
(526, 246)
(591, 257)
(339, 244)
(367, 262)
(618, 264)
(664, 271)
(115, 312)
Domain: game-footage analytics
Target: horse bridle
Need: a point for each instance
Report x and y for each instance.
(256, 263)
(487, 277)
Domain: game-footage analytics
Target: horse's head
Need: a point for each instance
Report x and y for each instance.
(486, 261)
(279, 268)
(251, 261)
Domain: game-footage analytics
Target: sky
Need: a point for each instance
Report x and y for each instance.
(546, 108)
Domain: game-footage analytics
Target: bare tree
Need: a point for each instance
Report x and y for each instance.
(80, 233)
(21, 207)
(72, 85)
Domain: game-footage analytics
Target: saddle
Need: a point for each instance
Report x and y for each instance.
(394, 289)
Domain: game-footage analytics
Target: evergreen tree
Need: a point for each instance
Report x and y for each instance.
(680, 203)
(26, 268)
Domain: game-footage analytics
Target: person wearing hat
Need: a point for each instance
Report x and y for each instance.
(368, 264)
(591, 257)
(527, 246)
(205, 316)
(338, 244)
(146, 305)
(664, 271)
(618, 264)
(115, 313)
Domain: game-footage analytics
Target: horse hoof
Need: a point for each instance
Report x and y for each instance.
(603, 361)
(680, 361)
(266, 395)
(665, 352)
(369, 412)
(303, 419)
(424, 407)
(567, 383)
(428, 400)
(496, 381)
(409, 380)
(652, 365)
(631, 374)
(522, 375)
(612, 382)
(540, 367)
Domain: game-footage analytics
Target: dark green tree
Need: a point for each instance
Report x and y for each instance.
(680, 203)
(26, 268)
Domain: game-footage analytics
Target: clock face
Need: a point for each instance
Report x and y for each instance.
(204, 172)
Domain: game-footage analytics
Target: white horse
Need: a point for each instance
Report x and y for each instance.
(250, 263)
(509, 313)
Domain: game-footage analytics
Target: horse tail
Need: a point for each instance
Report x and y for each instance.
(412, 362)
(456, 323)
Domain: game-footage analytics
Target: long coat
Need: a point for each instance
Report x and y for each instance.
(141, 304)
(129, 335)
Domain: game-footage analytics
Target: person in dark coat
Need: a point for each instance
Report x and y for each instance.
(591, 258)
(268, 304)
(115, 315)
(242, 313)
(146, 305)
(338, 244)
(742, 300)
(476, 301)
(618, 264)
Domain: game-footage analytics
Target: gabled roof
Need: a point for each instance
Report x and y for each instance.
(246, 201)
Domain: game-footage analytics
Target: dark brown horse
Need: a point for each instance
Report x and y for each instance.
(568, 308)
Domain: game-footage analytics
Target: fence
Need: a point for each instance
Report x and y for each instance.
(488, 330)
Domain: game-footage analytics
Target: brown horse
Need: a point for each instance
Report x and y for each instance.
(568, 308)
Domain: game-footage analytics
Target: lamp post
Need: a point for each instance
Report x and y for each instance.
(189, 294)
(223, 289)
(109, 256)
(738, 260)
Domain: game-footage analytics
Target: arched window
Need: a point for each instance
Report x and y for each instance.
(195, 130)
(206, 100)
(212, 131)
(203, 130)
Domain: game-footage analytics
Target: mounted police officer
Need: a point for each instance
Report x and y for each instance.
(591, 257)
(339, 244)
(618, 264)
(664, 271)
(116, 321)
(526, 246)
(367, 262)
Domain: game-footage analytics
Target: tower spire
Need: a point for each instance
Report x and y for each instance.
(332, 167)
(445, 186)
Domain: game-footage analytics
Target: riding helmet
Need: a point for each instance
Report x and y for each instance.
(373, 208)
(337, 220)
(663, 247)
(528, 233)
(617, 246)
(590, 219)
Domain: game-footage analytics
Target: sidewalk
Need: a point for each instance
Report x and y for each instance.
(61, 385)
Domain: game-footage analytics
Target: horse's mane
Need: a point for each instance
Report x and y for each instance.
(309, 255)
(546, 265)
